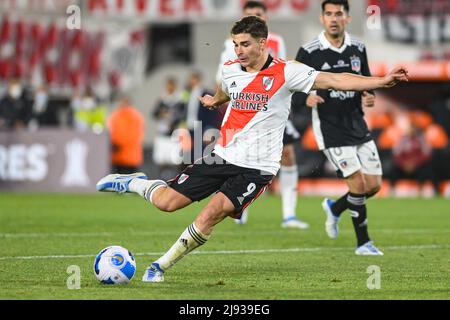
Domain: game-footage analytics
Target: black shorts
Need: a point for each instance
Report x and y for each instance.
(241, 185)
(291, 135)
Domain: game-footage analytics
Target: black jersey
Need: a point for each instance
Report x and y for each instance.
(340, 120)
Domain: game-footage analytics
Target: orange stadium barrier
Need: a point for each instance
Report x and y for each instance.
(421, 119)
(436, 136)
(418, 71)
(336, 188)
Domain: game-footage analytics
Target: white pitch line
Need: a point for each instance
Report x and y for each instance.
(55, 235)
(150, 233)
(226, 252)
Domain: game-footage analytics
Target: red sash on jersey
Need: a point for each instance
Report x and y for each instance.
(238, 119)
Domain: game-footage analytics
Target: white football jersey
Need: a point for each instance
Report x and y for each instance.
(253, 126)
(275, 45)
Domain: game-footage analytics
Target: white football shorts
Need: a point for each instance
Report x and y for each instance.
(349, 160)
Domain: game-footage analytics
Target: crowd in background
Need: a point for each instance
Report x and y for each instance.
(23, 107)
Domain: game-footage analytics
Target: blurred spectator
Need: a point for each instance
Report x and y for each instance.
(42, 114)
(169, 109)
(440, 109)
(438, 139)
(199, 120)
(15, 107)
(412, 158)
(3, 89)
(127, 128)
(168, 114)
(88, 113)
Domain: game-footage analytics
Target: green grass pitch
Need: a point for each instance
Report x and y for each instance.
(42, 235)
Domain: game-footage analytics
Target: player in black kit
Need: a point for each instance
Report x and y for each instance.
(338, 122)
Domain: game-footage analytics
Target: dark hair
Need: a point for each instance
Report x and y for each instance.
(254, 4)
(337, 2)
(253, 25)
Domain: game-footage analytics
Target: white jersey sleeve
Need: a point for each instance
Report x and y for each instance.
(300, 77)
(227, 54)
(224, 86)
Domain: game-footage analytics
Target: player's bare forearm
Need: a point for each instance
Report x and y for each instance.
(352, 82)
(347, 82)
(219, 99)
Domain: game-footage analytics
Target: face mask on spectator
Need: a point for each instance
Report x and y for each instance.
(15, 91)
(87, 103)
(41, 100)
(75, 103)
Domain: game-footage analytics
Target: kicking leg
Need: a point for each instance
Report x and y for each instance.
(155, 191)
(218, 208)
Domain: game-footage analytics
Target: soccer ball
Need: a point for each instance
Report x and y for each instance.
(114, 265)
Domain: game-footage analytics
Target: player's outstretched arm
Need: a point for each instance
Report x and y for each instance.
(352, 82)
(212, 103)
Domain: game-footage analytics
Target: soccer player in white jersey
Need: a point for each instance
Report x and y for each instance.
(289, 171)
(247, 156)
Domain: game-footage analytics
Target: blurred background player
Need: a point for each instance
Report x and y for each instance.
(169, 109)
(338, 121)
(167, 113)
(289, 171)
(127, 127)
(200, 122)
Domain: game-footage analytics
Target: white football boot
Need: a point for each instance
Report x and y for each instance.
(368, 249)
(118, 182)
(154, 273)
(331, 225)
(294, 223)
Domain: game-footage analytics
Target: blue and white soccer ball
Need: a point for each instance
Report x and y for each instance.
(114, 265)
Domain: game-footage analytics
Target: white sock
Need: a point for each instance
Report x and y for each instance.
(190, 239)
(288, 183)
(146, 188)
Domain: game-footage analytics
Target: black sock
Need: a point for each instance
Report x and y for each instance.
(340, 206)
(358, 210)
